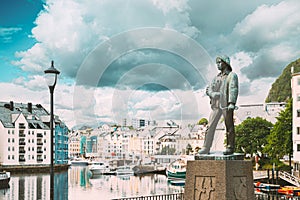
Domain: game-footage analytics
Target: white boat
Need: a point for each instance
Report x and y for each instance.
(126, 169)
(4, 179)
(177, 169)
(80, 162)
(99, 167)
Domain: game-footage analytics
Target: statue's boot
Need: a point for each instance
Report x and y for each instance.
(204, 150)
(230, 143)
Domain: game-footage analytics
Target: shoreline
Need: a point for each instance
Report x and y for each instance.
(33, 168)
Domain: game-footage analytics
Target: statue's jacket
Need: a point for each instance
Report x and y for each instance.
(227, 84)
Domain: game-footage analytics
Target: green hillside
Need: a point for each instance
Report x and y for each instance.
(281, 88)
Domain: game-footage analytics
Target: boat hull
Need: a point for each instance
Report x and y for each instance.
(176, 174)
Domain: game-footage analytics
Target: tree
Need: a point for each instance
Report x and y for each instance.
(280, 139)
(202, 121)
(166, 150)
(251, 135)
(189, 149)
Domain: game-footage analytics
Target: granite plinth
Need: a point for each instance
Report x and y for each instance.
(219, 180)
(219, 156)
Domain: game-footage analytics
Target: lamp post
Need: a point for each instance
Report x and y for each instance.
(51, 78)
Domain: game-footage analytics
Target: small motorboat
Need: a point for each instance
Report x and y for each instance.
(266, 185)
(99, 168)
(124, 170)
(289, 190)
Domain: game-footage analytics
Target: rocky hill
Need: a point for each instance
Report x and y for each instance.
(281, 88)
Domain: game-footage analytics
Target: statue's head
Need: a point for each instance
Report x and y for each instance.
(225, 59)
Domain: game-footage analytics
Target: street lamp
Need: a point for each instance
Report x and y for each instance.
(51, 78)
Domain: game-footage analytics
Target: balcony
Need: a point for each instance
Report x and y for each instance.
(21, 135)
(39, 143)
(21, 159)
(39, 159)
(22, 143)
(39, 135)
(39, 151)
(22, 151)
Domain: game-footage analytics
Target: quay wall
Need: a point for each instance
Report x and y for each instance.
(33, 168)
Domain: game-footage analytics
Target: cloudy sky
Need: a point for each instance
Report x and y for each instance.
(149, 59)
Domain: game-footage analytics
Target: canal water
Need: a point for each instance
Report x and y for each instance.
(77, 183)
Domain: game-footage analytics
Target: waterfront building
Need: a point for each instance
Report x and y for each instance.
(61, 135)
(192, 136)
(74, 146)
(25, 135)
(268, 111)
(295, 85)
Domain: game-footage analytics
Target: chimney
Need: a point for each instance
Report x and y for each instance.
(29, 107)
(11, 105)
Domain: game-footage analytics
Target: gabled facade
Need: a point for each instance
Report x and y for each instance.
(25, 135)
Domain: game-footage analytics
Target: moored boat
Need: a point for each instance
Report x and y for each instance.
(125, 169)
(289, 190)
(4, 179)
(80, 162)
(148, 169)
(177, 169)
(99, 167)
(266, 185)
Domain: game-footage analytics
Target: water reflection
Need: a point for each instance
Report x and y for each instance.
(83, 185)
(78, 183)
(37, 186)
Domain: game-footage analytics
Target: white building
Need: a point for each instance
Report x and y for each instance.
(295, 84)
(24, 138)
(268, 111)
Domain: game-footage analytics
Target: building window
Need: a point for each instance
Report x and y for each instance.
(13, 157)
(13, 148)
(298, 81)
(13, 131)
(8, 148)
(298, 113)
(298, 130)
(298, 97)
(8, 131)
(8, 139)
(298, 147)
(13, 140)
(8, 157)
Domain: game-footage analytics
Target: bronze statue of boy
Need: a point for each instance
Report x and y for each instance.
(223, 93)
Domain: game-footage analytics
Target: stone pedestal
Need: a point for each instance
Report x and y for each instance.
(219, 180)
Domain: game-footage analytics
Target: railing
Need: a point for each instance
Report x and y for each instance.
(289, 178)
(177, 196)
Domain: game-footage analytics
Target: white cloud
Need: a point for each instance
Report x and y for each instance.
(260, 39)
